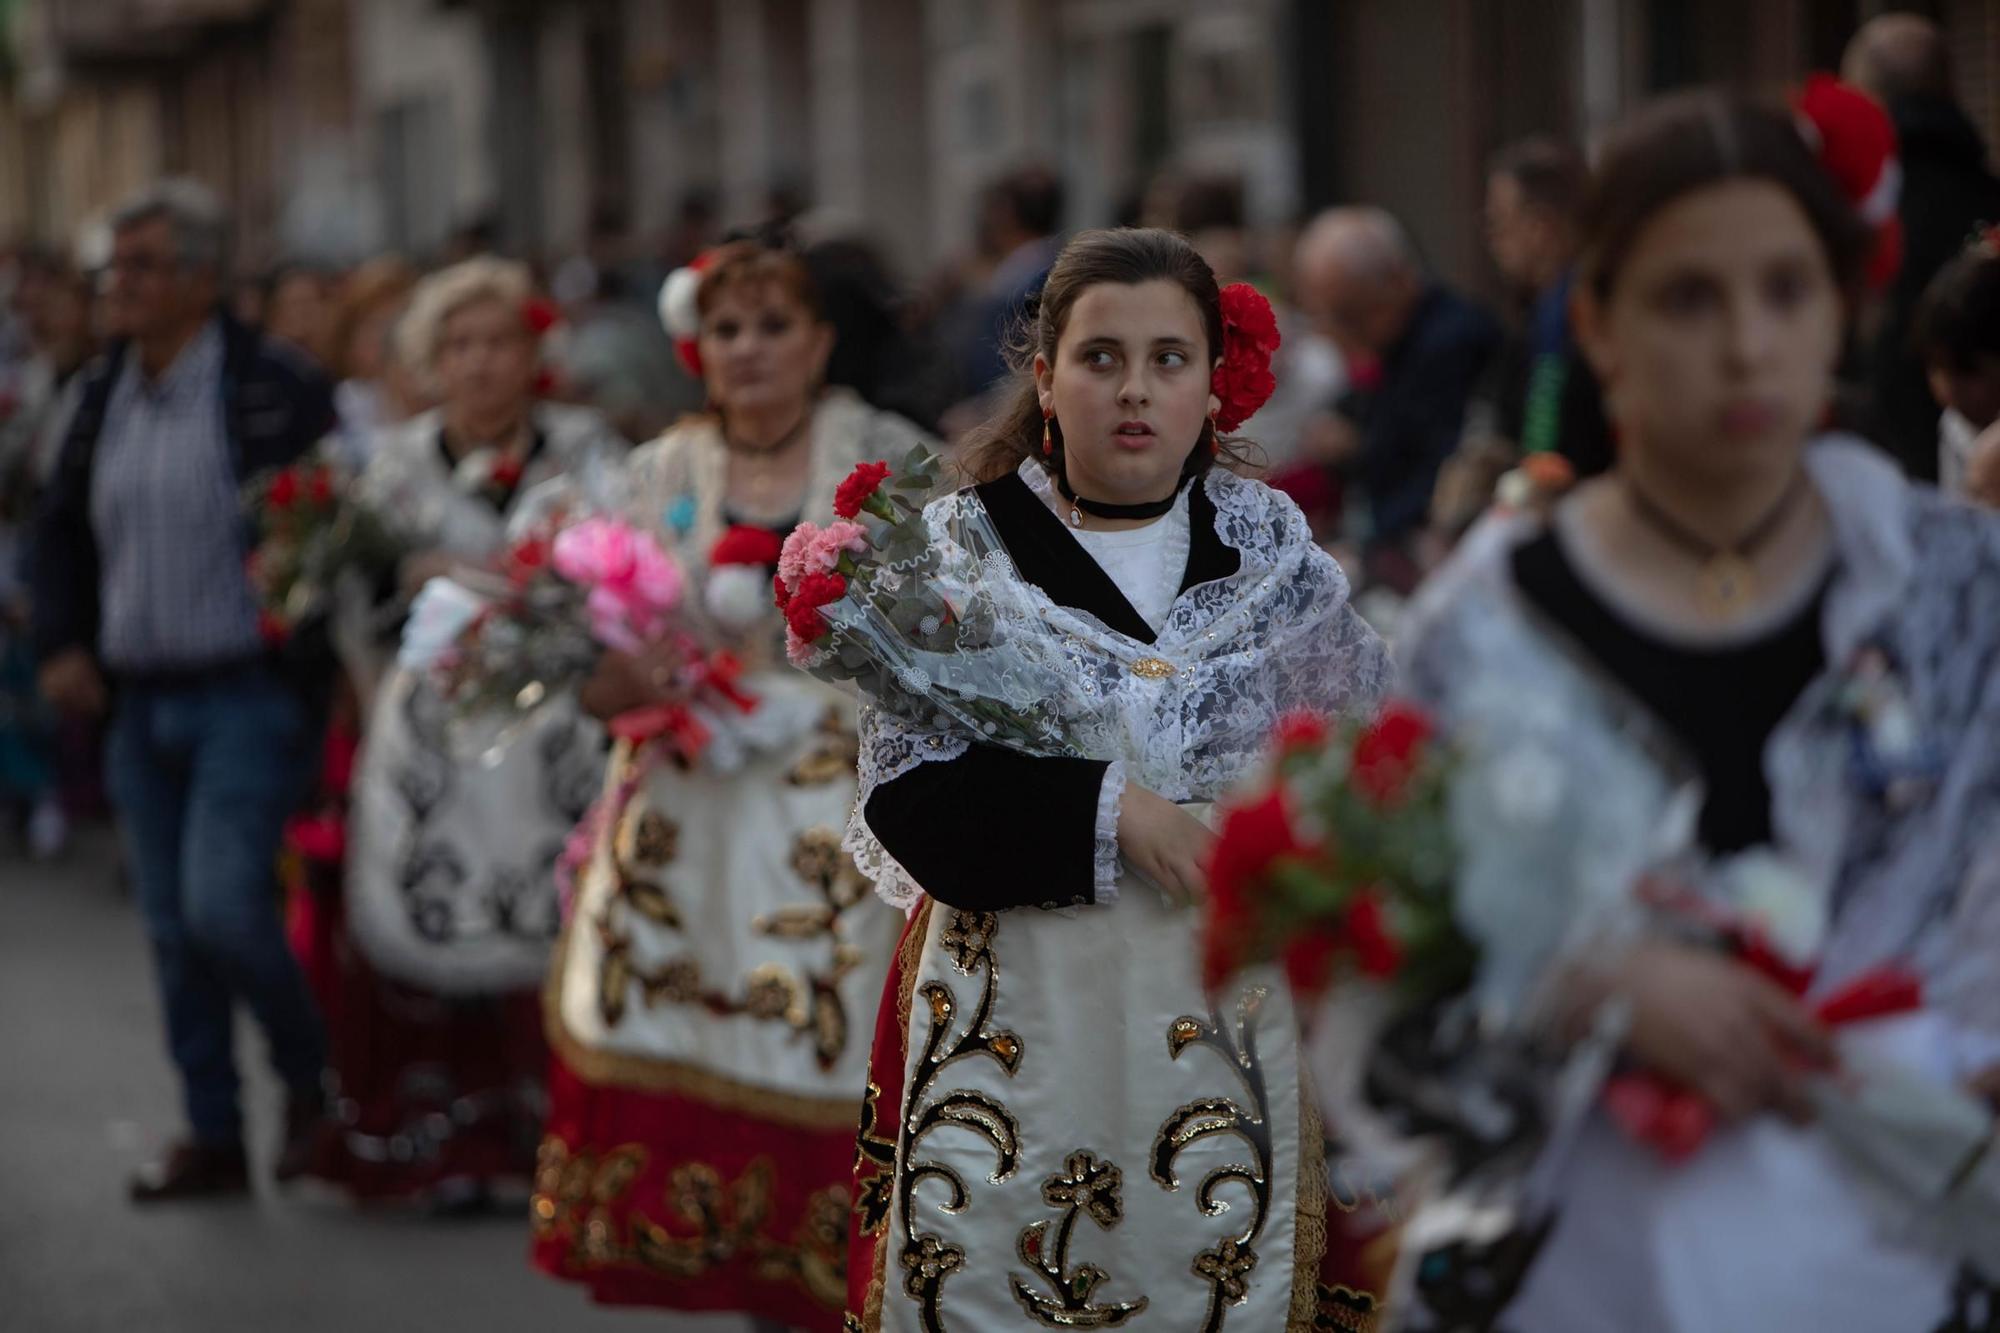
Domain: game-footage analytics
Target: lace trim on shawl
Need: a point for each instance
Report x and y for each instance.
(888, 751)
(1110, 801)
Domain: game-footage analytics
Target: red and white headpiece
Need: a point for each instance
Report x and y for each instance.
(680, 310)
(1856, 142)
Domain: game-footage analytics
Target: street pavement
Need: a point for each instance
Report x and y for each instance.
(86, 1094)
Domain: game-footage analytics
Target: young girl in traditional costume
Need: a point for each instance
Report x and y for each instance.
(1063, 1130)
(1775, 620)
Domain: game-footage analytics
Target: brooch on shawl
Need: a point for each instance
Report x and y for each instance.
(1894, 760)
(678, 517)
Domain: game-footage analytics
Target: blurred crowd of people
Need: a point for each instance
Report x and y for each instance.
(142, 388)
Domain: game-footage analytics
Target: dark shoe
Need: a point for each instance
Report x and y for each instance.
(306, 1124)
(192, 1171)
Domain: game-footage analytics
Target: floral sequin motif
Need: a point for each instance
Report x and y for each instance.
(584, 1198)
(832, 757)
(874, 1166)
(1086, 1187)
(927, 1259)
(809, 1003)
(1227, 1266)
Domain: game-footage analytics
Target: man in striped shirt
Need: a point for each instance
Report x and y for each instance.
(143, 607)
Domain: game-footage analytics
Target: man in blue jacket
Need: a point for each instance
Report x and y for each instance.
(142, 607)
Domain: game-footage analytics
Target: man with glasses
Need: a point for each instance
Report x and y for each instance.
(143, 609)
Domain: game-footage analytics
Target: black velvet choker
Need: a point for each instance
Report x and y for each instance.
(1099, 509)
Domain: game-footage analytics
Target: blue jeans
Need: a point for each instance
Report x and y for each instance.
(203, 775)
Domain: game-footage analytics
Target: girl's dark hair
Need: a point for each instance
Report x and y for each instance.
(1127, 256)
(1958, 322)
(1693, 140)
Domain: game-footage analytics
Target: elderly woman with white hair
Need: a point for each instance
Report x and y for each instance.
(450, 899)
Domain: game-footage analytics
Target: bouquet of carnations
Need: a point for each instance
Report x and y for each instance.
(877, 600)
(1424, 900)
(501, 643)
(309, 532)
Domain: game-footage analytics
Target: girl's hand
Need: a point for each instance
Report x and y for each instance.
(1164, 843)
(625, 681)
(1711, 1023)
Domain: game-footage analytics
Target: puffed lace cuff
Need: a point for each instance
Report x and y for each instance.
(1110, 796)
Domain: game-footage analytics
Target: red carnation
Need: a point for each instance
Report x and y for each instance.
(284, 492)
(813, 592)
(746, 545)
(529, 557)
(1251, 839)
(1366, 928)
(859, 488)
(540, 315)
(1309, 960)
(506, 474)
(1247, 315)
(781, 596)
(322, 487)
(1387, 752)
(1243, 381)
(1299, 731)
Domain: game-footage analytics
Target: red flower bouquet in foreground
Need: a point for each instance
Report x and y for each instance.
(307, 532)
(1341, 866)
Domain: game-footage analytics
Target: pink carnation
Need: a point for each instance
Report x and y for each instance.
(656, 578)
(824, 551)
(595, 551)
(792, 562)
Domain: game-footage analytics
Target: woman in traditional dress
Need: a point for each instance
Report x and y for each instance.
(711, 1011)
(450, 905)
(1064, 1131)
(1777, 618)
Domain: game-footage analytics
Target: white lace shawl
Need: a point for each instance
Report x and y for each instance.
(1276, 636)
(1918, 575)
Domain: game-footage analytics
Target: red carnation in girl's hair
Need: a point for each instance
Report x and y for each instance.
(1387, 752)
(1243, 381)
(746, 545)
(859, 488)
(540, 315)
(284, 492)
(1855, 141)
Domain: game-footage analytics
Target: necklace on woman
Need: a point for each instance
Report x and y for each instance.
(1078, 506)
(760, 475)
(1725, 580)
(766, 452)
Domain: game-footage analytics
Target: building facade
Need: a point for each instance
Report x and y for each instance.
(338, 127)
